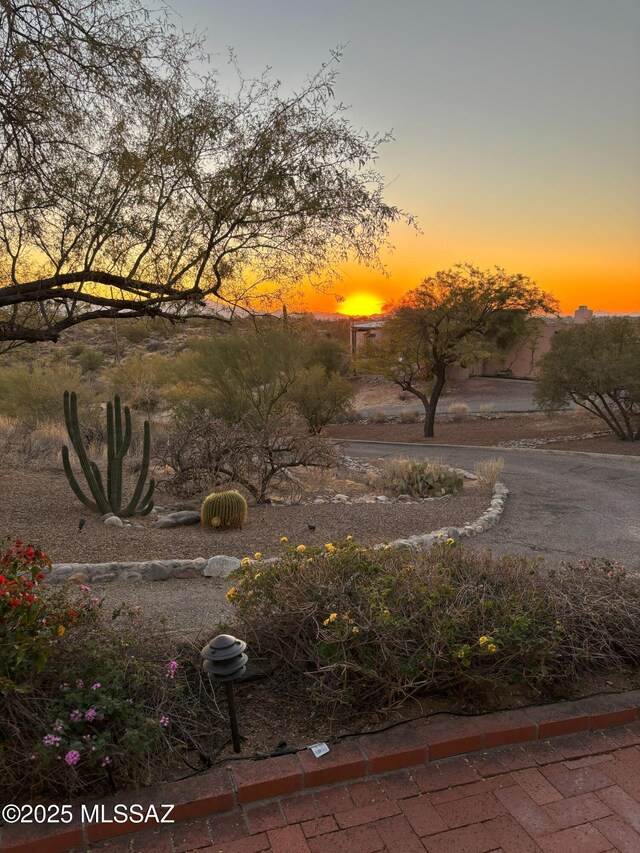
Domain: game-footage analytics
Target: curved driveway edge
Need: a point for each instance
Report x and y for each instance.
(563, 505)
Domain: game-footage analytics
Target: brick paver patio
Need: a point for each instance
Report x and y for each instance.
(576, 794)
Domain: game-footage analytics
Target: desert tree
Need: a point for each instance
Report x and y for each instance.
(132, 185)
(596, 365)
(458, 316)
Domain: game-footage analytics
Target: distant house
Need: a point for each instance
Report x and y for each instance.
(519, 364)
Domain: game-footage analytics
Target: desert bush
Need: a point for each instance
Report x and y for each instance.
(113, 716)
(320, 397)
(409, 417)
(458, 411)
(329, 353)
(418, 479)
(365, 629)
(22, 444)
(485, 408)
(90, 359)
(33, 393)
(489, 471)
(379, 417)
(141, 379)
(205, 452)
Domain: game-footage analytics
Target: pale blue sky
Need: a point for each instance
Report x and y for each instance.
(517, 122)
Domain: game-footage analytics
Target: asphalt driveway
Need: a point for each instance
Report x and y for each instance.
(562, 505)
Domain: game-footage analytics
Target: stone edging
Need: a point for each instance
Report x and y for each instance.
(415, 743)
(221, 565)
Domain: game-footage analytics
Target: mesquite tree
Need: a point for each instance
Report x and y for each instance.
(596, 366)
(456, 316)
(130, 185)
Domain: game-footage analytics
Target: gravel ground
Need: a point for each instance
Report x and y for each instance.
(39, 507)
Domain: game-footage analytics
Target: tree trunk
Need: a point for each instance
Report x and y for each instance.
(431, 405)
(429, 420)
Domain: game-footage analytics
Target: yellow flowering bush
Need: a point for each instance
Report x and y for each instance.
(364, 629)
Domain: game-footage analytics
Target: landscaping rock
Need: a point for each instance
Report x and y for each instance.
(403, 499)
(382, 498)
(113, 521)
(221, 566)
(130, 576)
(106, 516)
(341, 498)
(78, 577)
(187, 572)
(178, 519)
(159, 571)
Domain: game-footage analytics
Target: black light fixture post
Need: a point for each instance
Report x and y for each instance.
(224, 661)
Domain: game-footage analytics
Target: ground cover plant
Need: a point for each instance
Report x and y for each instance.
(418, 479)
(91, 701)
(365, 629)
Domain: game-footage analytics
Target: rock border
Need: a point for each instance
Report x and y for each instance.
(221, 565)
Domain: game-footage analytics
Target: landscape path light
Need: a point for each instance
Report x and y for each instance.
(224, 661)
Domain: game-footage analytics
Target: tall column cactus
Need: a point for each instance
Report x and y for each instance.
(118, 442)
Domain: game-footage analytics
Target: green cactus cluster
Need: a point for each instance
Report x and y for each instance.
(225, 510)
(422, 480)
(108, 499)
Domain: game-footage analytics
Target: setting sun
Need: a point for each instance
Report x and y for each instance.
(361, 305)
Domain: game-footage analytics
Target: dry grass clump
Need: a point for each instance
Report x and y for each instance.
(410, 417)
(489, 471)
(378, 417)
(458, 412)
(485, 408)
(367, 629)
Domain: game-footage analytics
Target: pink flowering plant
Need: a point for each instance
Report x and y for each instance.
(118, 703)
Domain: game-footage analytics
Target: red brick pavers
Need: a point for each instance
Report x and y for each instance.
(577, 794)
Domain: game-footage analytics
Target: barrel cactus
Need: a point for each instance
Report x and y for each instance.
(225, 510)
(108, 499)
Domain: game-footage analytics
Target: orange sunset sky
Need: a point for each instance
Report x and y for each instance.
(516, 130)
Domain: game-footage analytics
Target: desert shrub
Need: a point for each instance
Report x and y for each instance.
(113, 702)
(320, 397)
(140, 379)
(378, 417)
(419, 479)
(90, 359)
(204, 452)
(33, 393)
(32, 446)
(409, 417)
(329, 353)
(134, 331)
(489, 471)
(458, 411)
(365, 629)
(485, 408)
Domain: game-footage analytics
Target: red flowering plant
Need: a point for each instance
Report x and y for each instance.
(30, 622)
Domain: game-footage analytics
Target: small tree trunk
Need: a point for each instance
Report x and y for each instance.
(429, 420)
(431, 405)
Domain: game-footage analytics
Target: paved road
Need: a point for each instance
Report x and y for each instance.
(563, 505)
(503, 395)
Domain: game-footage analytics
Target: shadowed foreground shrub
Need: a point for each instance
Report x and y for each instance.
(366, 629)
(91, 702)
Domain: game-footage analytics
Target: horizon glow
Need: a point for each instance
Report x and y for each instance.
(516, 127)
